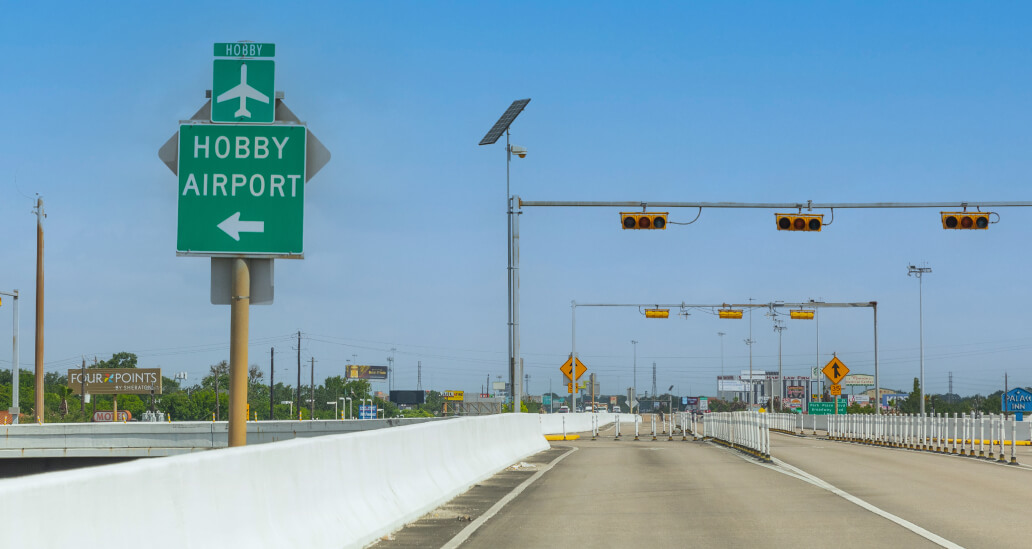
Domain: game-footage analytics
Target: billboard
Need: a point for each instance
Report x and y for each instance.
(796, 391)
(863, 380)
(354, 371)
(731, 386)
(116, 381)
(123, 415)
(408, 397)
(453, 395)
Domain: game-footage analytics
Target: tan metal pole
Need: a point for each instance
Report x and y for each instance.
(39, 310)
(239, 319)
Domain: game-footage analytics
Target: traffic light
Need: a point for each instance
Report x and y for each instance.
(643, 220)
(657, 313)
(799, 222)
(965, 220)
(730, 313)
(801, 314)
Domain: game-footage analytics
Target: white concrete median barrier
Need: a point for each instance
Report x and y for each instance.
(332, 491)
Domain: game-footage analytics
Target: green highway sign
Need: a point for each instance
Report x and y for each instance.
(826, 408)
(243, 91)
(241, 190)
(244, 49)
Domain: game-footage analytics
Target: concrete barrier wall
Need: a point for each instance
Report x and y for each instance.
(332, 491)
(146, 439)
(552, 424)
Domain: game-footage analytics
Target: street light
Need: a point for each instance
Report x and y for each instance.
(344, 409)
(496, 131)
(291, 403)
(334, 403)
(919, 272)
(634, 381)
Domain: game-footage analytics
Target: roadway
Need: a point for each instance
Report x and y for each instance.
(672, 493)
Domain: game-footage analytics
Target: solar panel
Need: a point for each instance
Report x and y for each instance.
(508, 116)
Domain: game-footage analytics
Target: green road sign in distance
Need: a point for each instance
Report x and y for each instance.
(243, 91)
(244, 49)
(826, 408)
(241, 190)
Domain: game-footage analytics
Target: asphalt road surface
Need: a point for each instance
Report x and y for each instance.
(817, 493)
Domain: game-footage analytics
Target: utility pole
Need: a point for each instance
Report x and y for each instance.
(299, 371)
(720, 394)
(272, 380)
(654, 393)
(749, 342)
(311, 391)
(82, 390)
(919, 272)
(419, 375)
(39, 308)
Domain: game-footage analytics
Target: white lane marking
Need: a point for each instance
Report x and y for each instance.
(473, 526)
(791, 471)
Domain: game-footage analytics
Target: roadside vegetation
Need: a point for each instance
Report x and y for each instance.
(198, 402)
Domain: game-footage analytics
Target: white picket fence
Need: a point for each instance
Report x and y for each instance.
(745, 431)
(959, 435)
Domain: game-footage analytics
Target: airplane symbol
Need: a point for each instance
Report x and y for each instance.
(243, 92)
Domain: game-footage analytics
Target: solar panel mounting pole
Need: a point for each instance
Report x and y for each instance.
(492, 136)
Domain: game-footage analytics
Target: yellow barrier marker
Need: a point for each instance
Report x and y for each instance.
(560, 437)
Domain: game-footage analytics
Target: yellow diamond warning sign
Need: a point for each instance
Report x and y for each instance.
(835, 370)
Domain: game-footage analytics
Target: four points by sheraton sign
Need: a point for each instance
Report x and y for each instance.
(116, 381)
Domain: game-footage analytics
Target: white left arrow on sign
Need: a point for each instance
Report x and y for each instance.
(233, 226)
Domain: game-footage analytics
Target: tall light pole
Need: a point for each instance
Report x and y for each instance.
(492, 136)
(919, 272)
(780, 327)
(720, 394)
(749, 342)
(634, 380)
(15, 373)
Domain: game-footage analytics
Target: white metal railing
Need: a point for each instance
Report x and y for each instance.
(745, 431)
(958, 435)
(788, 423)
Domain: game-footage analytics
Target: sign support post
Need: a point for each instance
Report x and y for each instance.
(239, 324)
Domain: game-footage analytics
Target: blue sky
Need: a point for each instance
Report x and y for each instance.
(405, 228)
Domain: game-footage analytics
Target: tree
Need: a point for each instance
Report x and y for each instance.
(912, 404)
(218, 376)
(118, 360)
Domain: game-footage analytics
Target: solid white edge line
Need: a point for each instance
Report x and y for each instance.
(792, 471)
(473, 526)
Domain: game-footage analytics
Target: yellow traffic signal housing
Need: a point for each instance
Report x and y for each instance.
(801, 314)
(730, 313)
(799, 222)
(643, 220)
(657, 313)
(965, 220)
